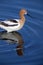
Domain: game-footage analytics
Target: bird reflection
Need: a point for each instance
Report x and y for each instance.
(11, 38)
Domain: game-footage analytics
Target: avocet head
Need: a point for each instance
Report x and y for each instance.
(24, 12)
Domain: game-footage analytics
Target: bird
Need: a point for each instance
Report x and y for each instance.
(14, 24)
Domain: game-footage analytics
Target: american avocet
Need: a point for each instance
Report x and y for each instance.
(15, 24)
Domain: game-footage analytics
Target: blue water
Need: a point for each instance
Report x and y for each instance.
(32, 32)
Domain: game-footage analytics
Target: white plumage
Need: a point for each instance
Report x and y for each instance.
(11, 28)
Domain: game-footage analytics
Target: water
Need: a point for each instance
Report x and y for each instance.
(32, 33)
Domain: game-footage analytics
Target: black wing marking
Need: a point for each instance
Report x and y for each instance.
(13, 21)
(8, 24)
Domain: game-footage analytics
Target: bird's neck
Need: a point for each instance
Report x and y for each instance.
(22, 21)
(22, 18)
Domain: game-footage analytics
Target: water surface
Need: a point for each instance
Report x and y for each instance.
(32, 33)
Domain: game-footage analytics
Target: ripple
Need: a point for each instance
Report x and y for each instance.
(31, 32)
(4, 45)
(36, 11)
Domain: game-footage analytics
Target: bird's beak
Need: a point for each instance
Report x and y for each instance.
(29, 15)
